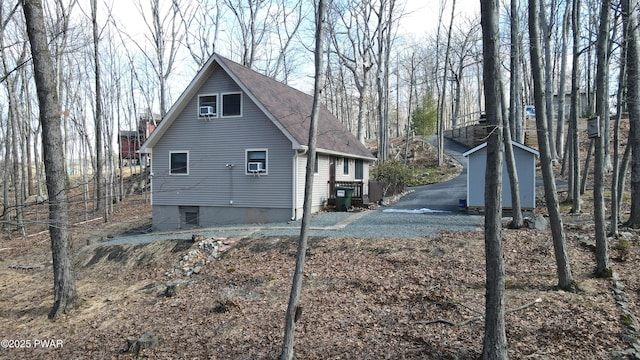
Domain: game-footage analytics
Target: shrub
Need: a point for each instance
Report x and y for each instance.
(393, 174)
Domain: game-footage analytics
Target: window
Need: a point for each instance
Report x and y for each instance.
(207, 106)
(179, 163)
(189, 216)
(232, 104)
(359, 169)
(256, 161)
(345, 166)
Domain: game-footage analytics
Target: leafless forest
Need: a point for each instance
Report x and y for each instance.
(115, 69)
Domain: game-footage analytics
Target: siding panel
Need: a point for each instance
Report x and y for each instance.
(219, 141)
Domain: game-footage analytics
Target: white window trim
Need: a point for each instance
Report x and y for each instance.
(217, 106)
(179, 152)
(348, 165)
(246, 161)
(221, 102)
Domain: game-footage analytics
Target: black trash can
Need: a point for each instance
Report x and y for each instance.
(343, 198)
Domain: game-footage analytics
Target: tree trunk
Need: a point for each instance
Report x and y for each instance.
(548, 82)
(622, 172)
(294, 308)
(495, 339)
(515, 85)
(443, 95)
(587, 164)
(65, 296)
(602, 109)
(517, 220)
(633, 105)
(573, 114)
(562, 84)
(565, 279)
(98, 115)
(615, 178)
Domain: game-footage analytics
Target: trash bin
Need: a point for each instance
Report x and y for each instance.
(343, 198)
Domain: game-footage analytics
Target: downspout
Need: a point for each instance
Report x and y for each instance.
(294, 181)
(294, 201)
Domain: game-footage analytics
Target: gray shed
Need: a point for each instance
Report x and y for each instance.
(526, 168)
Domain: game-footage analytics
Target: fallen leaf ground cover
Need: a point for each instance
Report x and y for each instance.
(419, 298)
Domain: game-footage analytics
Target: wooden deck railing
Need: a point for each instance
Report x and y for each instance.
(357, 187)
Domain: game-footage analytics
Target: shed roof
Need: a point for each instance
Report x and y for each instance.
(514, 143)
(289, 109)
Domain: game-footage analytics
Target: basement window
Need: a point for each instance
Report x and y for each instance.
(189, 216)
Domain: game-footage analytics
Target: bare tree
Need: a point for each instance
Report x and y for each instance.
(201, 29)
(517, 220)
(547, 25)
(443, 93)
(288, 17)
(98, 107)
(357, 56)
(463, 54)
(293, 309)
(602, 109)
(566, 25)
(251, 18)
(13, 131)
(574, 176)
(386, 23)
(565, 279)
(515, 85)
(617, 174)
(495, 338)
(631, 11)
(165, 36)
(65, 296)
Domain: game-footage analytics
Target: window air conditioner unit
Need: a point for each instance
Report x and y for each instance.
(207, 111)
(255, 167)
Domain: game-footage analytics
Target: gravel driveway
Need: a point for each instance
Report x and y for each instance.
(365, 224)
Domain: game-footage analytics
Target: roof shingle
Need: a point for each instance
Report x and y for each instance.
(292, 109)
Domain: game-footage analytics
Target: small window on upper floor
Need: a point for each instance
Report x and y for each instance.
(232, 104)
(345, 166)
(208, 106)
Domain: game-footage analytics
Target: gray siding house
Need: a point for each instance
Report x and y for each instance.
(233, 149)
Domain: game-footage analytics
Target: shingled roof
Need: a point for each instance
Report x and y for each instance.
(288, 108)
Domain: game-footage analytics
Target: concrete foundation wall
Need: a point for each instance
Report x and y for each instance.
(168, 218)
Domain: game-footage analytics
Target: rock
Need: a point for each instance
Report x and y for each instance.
(586, 242)
(538, 222)
(145, 341)
(626, 235)
(174, 287)
(197, 238)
